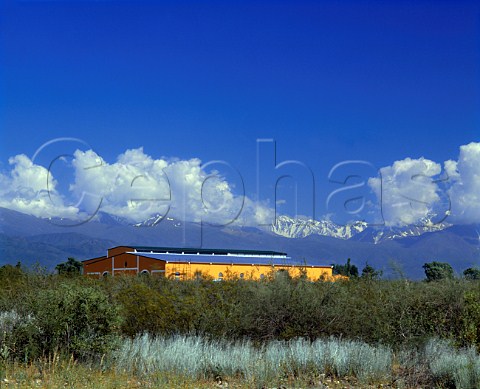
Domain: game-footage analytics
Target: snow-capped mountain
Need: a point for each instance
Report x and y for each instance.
(288, 227)
(32, 239)
(157, 219)
(424, 225)
(110, 219)
(298, 228)
(361, 231)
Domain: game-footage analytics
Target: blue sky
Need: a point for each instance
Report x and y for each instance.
(329, 81)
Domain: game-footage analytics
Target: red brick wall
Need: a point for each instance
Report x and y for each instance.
(123, 263)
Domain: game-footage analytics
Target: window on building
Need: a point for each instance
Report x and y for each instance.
(105, 274)
(126, 264)
(220, 276)
(242, 275)
(262, 276)
(177, 275)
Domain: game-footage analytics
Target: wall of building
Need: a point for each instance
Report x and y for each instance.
(96, 266)
(122, 263)
(253, 272)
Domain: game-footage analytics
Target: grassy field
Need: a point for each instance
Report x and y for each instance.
(75, 332)
(196, 362)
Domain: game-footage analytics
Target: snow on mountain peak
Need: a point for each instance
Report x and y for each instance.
(299, 228)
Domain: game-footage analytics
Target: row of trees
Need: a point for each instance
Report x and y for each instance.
(350, 270)
(434, 271)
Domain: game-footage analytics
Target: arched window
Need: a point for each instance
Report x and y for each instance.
(177, 275)
(220, 276)
(242, 275)
(262, 276)
(105, 274)
(144, 273)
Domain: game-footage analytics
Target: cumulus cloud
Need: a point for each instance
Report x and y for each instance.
(465, 188)
(28, 188)
(136, 186)
(412, 189)
(406, 190)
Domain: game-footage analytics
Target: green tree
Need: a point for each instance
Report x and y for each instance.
(472, 273)
(435, 271)
(70, 267)
(348, 269)
(369, 272)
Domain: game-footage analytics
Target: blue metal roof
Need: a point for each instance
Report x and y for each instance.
(190, 250)
(236, 259)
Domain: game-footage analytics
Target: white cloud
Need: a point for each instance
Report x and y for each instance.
(414, 188)
(465, 184)
(407, 190)
(136, 186)
(28, 188)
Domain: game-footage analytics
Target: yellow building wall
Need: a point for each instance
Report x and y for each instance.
(185, 271)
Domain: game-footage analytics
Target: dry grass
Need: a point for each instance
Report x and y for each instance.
(67, 373)
(148, 363)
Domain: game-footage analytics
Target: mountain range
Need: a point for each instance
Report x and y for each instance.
(395, 250)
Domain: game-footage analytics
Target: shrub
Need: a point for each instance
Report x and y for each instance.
(75, 319)
(470, 331)
(198, 358)
(17, 334)
(450, 367)
(145, 310)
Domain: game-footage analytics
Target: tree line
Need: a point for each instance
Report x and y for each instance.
(434, 271)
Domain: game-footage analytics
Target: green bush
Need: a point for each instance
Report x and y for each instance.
(144, 310)
(470, 332)
(82, 316)
(76, 319)
(281, 307)
(17, 333)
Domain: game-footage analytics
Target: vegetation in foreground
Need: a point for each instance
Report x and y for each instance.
(280, 331)
(193, 361)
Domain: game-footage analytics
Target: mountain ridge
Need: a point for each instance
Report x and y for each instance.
(300, 228)
(23, 237)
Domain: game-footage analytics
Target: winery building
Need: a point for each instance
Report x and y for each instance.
(188, 263)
